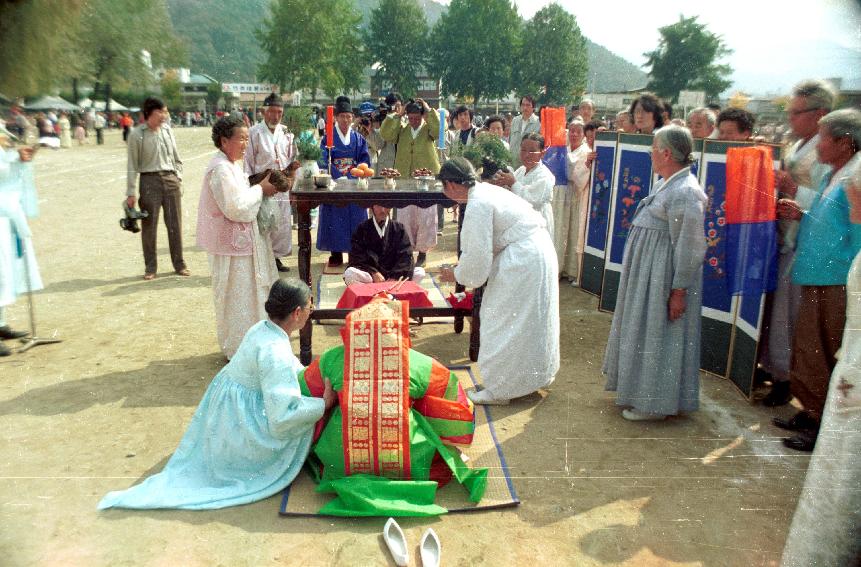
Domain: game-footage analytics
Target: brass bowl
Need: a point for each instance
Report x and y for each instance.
(322, 180)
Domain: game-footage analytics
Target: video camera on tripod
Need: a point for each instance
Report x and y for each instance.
(130, 221)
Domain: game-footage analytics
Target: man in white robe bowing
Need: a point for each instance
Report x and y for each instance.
(503, 237)
(271, 146)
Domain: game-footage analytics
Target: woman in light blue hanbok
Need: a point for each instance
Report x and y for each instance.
(252, 431)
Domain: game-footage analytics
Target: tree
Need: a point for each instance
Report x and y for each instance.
(218, 38)
(171, 89)
(686, 59)
(396, 39)
(35, 38)
(313, 45)
(113, 35)
(552, 61)
(473, 48)
(213, 94)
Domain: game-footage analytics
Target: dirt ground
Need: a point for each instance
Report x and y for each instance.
(106, 407)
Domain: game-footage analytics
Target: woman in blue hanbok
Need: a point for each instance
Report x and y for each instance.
(252, 431)
(19, 270)
(337, 224)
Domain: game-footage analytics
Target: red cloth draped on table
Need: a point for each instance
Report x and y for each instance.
(751, 245)
(359, 294)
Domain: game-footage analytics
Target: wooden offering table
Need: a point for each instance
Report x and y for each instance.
(306, 197)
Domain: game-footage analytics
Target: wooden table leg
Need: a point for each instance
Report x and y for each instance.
(458, 319)
(475, 326)
(304, 259)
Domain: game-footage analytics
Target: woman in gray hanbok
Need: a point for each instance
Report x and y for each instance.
(653, 353)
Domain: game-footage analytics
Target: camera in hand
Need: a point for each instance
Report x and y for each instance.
(130, 221)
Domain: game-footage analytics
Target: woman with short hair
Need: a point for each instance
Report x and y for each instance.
(648, 113)
(652, 359)
(253, 428)
(240, 258)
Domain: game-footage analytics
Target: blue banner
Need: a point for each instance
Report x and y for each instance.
(599, 198)
(715, 291)
(634, 182)
(556, 160)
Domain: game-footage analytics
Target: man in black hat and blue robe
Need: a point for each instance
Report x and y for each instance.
(337, 224)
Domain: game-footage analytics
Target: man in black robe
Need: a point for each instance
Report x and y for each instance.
(380, 250)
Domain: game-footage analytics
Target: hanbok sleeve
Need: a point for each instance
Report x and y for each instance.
(432, 119)
(361, 256)
(288, 412)
(578, 173)
(537, 191)
(390, 129)
(403, 265)
(239, 203)
(248, 160)
(685, 215)
(476, 239)
(444, 403)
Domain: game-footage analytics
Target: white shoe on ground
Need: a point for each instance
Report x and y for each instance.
(395, 540)
(483, 398)
(634, 415)
(430, 548)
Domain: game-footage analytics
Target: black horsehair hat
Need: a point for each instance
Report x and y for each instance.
(342, 104)
(273, 100)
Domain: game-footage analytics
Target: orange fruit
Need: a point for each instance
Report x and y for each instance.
(356, 172)
(363, 166)
(369, 172)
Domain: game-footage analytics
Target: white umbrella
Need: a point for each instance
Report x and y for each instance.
(50, 103)
(100, 105)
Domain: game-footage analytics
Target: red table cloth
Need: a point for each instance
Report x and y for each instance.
(359, 294)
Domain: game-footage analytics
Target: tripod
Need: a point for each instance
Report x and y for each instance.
(34, 339)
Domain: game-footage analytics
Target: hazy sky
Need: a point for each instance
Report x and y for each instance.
(776, 42)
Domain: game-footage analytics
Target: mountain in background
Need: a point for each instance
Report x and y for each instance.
(221, 43)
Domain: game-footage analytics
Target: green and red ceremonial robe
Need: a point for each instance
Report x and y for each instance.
(382, 448)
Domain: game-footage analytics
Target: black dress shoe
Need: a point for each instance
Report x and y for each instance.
(802, 421)
(281, 267)
(804, 441)
(778, 396)
(6, 332)
(336, 259)
(4, 350)
(420, 259)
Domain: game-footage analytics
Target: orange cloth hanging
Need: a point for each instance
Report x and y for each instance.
(553, 126)
(750, 185)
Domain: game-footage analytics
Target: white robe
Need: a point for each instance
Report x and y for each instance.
(536, 188)
(273, 150)
(570, 209)
(501, 236)
(17, 201)
(826, 527)
(240, 284)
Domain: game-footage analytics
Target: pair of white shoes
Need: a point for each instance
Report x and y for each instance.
(430, 547)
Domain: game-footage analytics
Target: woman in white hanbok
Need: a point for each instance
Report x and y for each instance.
(241, 260)
(502, 240)
(571, 206)
(19, 270)
(533, 181)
